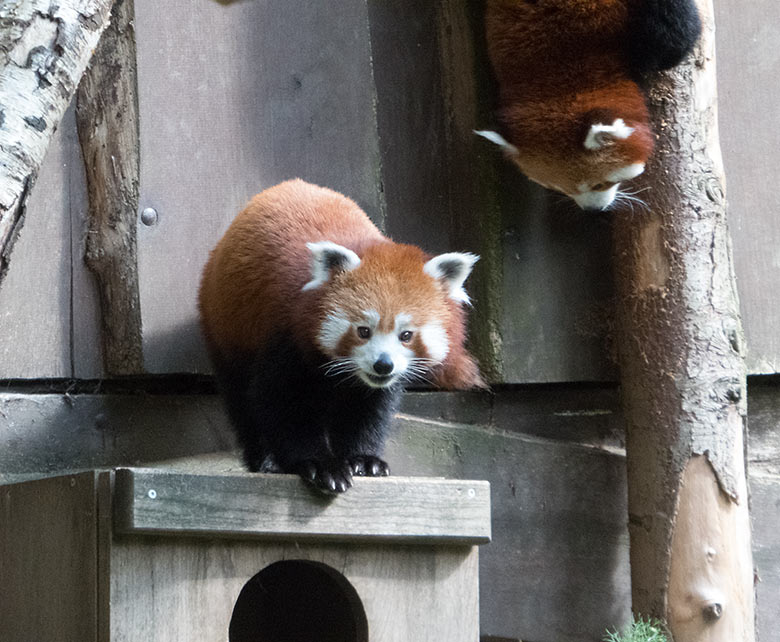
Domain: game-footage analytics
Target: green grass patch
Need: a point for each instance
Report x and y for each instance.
(640, 631)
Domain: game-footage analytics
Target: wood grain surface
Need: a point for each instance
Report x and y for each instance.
(282, 506)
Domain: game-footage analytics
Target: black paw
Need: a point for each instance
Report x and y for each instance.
(331, 477)
(368, 466)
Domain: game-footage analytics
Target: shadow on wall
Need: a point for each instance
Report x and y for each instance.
(179, 349)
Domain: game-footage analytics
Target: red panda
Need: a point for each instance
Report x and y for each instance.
(314, 321)
(572, 115)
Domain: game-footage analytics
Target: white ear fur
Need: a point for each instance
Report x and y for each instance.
(601, 135)
(452, 269)
(326, 257)
(498, 139)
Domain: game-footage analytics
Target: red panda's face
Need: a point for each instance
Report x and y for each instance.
(385, 317)
(591, 168)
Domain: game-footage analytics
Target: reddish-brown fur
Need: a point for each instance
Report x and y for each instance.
(560, 67)
(252, 283)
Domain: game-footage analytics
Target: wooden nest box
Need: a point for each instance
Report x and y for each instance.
(142, 555)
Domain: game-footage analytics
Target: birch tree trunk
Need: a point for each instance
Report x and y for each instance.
(683, 374)
(44, 48)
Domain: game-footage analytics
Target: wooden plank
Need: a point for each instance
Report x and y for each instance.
(765, 509)
(48, 560)
(35, 295)
(748, 68)
(168, 590)
(282, 506)
(410, 118)
(48, 305)
(45, 434)
(234, 98)
(557, 567)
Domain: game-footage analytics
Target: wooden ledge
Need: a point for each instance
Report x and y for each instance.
(397, 509)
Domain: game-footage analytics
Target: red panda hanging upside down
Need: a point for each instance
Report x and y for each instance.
(572, 115)
(314, 321)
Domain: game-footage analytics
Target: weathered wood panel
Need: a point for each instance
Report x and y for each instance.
(160, 591)
(765, 508)
(48, 309)
(48, 537)
(243, 96)
(283, 506)
(410, 116)
(45, 434)
(35, 323)
(560, 544)
(748, 69)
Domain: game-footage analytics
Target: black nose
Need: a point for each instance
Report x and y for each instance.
(383, 365)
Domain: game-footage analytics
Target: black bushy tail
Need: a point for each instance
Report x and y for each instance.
(662, 33)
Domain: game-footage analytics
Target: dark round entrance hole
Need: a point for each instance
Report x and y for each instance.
(298, 601)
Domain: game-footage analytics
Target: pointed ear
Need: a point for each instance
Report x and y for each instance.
(498, 139)
(452, 269)
(600, 135)
(328, 258)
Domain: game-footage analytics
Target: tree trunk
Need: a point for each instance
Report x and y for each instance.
(44, 48)
(683, 375)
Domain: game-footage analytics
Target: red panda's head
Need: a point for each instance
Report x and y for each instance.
(386, 318)
(588, 162)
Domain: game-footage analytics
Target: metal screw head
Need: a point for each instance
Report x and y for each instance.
(152, 494)
(149, 216)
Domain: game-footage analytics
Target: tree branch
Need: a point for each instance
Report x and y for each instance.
(44, 49)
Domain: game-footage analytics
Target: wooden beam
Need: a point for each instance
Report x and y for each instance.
(107, 117)
(405, 509)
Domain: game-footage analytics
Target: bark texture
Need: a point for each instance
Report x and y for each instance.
(107, 117)
(683, 374)
(44, 48)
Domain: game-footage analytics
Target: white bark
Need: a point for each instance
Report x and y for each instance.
(45, 46)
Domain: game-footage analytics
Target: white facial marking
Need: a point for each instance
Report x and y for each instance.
(327, 257)
(367, 354)
(626, 173)
(498, 139)
(332, 329)
(452, 268)
(434, 336)
(372, 318)
(595, 200)
(599, 134)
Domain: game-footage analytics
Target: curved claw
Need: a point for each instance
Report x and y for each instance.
(369, 466)
(331, 477)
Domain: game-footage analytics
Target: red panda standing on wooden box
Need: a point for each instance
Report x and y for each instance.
(314, 321)
(573, 117)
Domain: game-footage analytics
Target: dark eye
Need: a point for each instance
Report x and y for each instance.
(364, 332)
(406, 336)
(600, 187)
